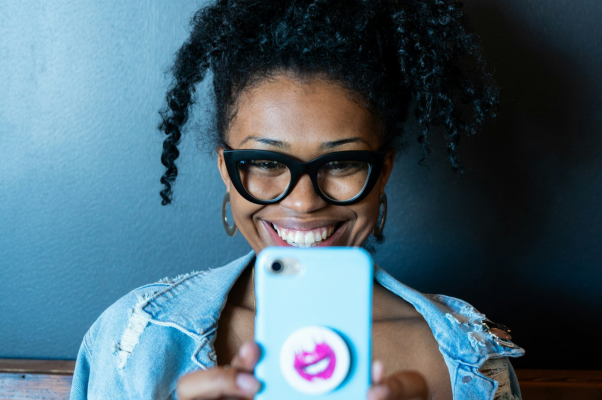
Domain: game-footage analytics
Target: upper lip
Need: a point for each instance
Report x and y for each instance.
(302, 225)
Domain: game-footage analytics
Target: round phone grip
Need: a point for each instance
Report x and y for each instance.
(315, 360)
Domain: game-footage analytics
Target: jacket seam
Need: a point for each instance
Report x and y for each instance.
(195, 355)
(173, 286)
(453, 300)
(87, 346)
(152, 284)
(459, 360)
(455, 382)
(183, 330)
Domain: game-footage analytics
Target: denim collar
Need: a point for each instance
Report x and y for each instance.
(193, 304)
(455, 324)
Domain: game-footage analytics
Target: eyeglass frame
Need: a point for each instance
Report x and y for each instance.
(375, 160)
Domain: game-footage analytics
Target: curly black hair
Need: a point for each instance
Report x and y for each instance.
(397, 56)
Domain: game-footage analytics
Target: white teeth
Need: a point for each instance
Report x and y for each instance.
(309, 238)
(299, 238)
(304, 238)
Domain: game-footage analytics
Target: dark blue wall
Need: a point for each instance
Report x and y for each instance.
(518, 235)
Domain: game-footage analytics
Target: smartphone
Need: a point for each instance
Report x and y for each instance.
(313, 323)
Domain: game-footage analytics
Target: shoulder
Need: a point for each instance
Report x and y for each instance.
(144, 342)
(461, 331)
(119, 328)
(109, 326)
(475, 349)
(481, 331)
(165, 311)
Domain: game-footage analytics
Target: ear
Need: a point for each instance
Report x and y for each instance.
(387, 168)
(221, 165)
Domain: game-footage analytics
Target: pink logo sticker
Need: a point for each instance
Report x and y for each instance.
(317, 364)
(314, 360)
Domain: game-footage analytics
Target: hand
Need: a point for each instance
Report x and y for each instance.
(238, 382)
(402, 385)
(233, 382)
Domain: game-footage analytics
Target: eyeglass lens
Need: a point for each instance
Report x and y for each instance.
(338, 180)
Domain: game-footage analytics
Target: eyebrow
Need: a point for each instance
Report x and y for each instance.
(336, 143)
(269, 142)
(283, 145)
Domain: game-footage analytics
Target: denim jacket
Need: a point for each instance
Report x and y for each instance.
(141, 345)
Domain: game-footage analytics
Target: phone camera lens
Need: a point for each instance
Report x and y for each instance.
(277, 266)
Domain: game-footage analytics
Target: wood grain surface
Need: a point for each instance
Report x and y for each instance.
(46, 367)
(34, 386)
(51, 380)
(540, 384)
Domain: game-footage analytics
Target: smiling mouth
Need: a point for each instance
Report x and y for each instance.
(304, 238)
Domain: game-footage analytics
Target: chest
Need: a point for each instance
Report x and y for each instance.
(401, 343)
(237, 327)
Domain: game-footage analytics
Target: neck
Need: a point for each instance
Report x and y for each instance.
(242, 293)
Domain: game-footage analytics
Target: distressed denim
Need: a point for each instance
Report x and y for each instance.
(141, 345)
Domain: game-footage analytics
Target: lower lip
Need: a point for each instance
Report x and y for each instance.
(279, 242)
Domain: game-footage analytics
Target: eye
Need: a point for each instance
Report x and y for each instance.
(262, 167)
(265, 165)
(338, 165)
(344, 166)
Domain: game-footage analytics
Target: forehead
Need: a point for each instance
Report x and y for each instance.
(301, 115)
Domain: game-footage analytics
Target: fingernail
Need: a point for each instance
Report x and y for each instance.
(378, 371)
(247, 382)
(245, 350)
(380, 392)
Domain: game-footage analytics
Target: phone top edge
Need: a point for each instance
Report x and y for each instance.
(285, 250)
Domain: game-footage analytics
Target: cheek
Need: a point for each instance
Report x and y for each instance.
(367, 213)
(373, 207)
(242, 210)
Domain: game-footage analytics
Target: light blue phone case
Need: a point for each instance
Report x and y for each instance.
(333, 289)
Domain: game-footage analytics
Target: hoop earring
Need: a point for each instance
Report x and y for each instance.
(230, 230)
(378, 229)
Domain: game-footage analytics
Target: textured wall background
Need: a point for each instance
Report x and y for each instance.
(518, 235)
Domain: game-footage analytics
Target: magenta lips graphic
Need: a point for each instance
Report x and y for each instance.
(315, 360)
(317, 364)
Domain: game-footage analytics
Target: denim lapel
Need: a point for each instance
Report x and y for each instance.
(454, 323)
(194, 302)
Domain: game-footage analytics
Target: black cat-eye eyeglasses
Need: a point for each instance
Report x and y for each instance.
(340, 178)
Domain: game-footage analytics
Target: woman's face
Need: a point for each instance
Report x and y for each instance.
(304, 121)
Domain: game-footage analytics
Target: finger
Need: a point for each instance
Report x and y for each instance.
(379, 392)
(378, 371)
(247, 357)
(406, 385)
(216, 383)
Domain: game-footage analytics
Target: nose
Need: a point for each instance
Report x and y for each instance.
(303, 198)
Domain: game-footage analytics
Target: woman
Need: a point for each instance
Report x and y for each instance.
(299, 80)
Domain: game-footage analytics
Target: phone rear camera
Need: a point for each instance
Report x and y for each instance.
(277, 266)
